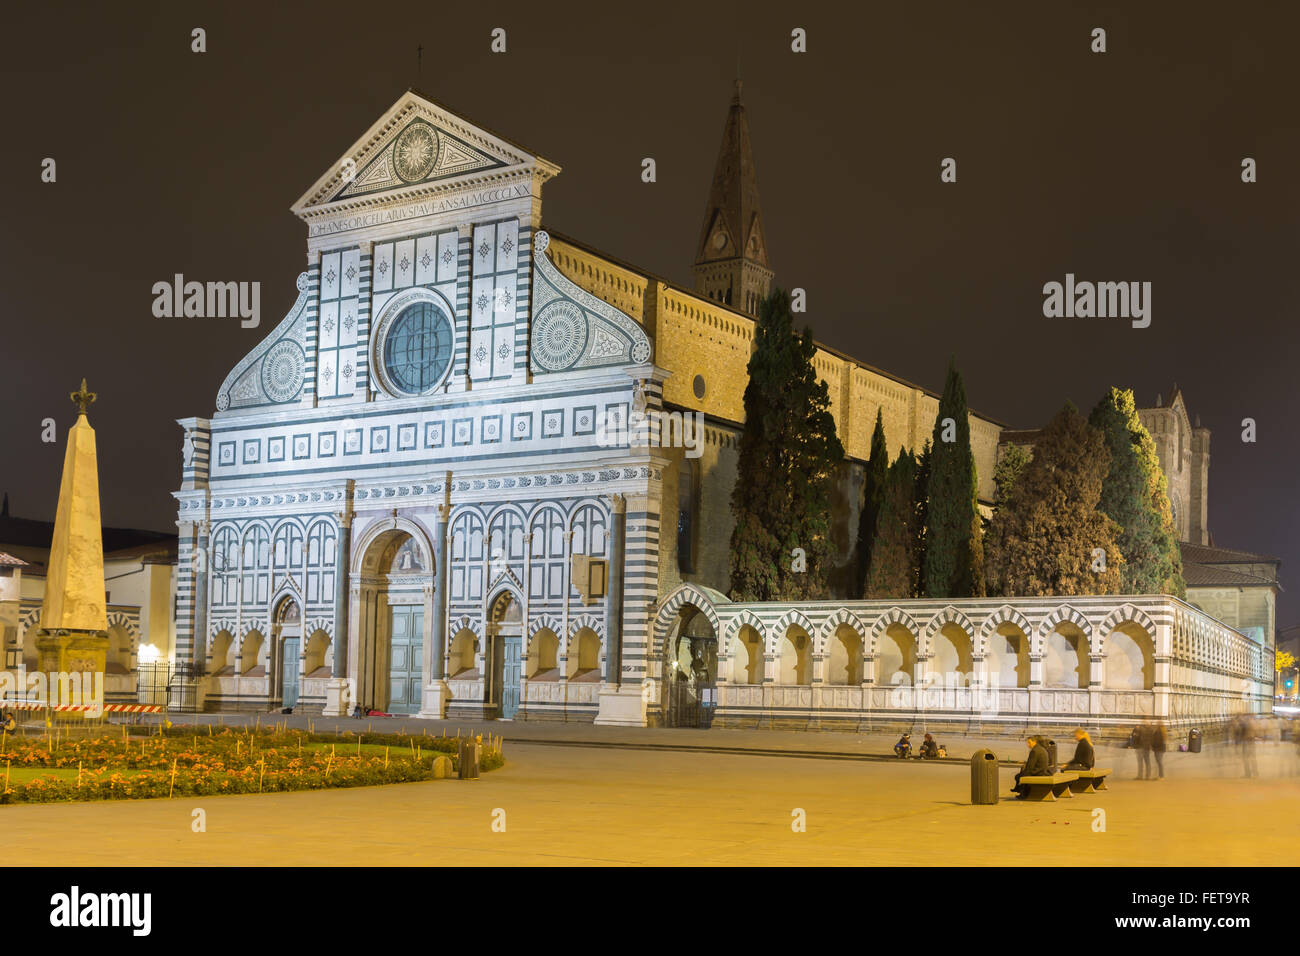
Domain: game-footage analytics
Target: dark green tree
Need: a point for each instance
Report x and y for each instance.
(1045, 540)
(873, 489)
(954, 549)
(894, 564)
(922, 507)
(1010, 464)
(780, 547)
(1135, 496)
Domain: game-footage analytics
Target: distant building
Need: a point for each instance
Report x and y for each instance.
(1239, 588)
(1184, 452)
(139, 573)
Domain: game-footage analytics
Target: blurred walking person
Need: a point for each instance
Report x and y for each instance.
(1249, 767)
(1140, 740)
(1159, 743)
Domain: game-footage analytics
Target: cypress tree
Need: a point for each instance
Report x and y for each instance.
(1135, 495)
(1043, 541)
(954, 550)
(893, 571)
(922, 508)
(873, 490)
(788, 453)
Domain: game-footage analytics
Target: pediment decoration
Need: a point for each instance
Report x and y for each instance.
(416, 148)
(573, 329)
(420, 152)
(507, 576)
(718, 241)
(272, 374)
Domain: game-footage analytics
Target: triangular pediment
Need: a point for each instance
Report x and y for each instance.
(718, 240)
(416, 144)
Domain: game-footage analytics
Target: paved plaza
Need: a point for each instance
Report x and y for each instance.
(616, 805)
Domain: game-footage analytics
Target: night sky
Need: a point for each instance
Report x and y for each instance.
(1117, 166)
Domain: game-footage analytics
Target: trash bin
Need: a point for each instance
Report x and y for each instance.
(983, 777)
(1194, 741)
(469, 758)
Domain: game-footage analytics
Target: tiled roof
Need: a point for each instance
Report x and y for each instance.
(9, 561)
(1213, 575)
(1203, 554)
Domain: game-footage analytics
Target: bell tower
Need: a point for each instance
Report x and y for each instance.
(731, 264)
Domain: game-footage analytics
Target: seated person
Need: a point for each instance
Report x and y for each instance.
(929, 749)
(1036, 765)
(1084, 758)
(904, 746)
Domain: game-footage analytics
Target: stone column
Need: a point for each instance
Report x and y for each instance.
(614, 591)
(338, 692)
(202, 571)
(621, 704)
(437, 694)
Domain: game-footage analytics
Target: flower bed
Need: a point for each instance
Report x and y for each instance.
(183, 762)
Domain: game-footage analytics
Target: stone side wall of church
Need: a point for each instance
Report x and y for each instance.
(707, 346)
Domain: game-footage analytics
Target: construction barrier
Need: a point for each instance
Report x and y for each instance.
(105, 708)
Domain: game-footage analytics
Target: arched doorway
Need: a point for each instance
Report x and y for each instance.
(394, 575)
(690, 670)
(505, 653)
(286, 636)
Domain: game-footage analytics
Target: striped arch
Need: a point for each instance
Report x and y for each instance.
(216, 627)
(948, 615)
(1006, 614)
(895, 615)
(779, 629)
(548, 621)
(118, 619)
(466, 623)
(739, 621)
(288, 588)
(683, 595)
(1125, 614)
(1061, 615)
(832, 624)
(590, 621)
(318, 624)
(29, 620)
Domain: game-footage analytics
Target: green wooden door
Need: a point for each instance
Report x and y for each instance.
(405, 660)
(289, 671)
(512, 668)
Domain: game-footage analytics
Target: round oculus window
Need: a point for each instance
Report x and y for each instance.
(418, 348)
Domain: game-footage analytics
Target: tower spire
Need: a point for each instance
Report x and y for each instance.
(731, 264)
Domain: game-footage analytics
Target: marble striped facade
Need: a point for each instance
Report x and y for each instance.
(1200, 670)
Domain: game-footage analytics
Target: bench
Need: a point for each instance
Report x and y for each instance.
(1090, 780)
(1049, 787)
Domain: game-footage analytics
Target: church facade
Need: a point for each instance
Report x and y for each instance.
(408, 499)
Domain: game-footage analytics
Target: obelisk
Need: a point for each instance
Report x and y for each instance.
(73, 635)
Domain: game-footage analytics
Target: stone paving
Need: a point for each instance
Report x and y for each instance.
(579, 805)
